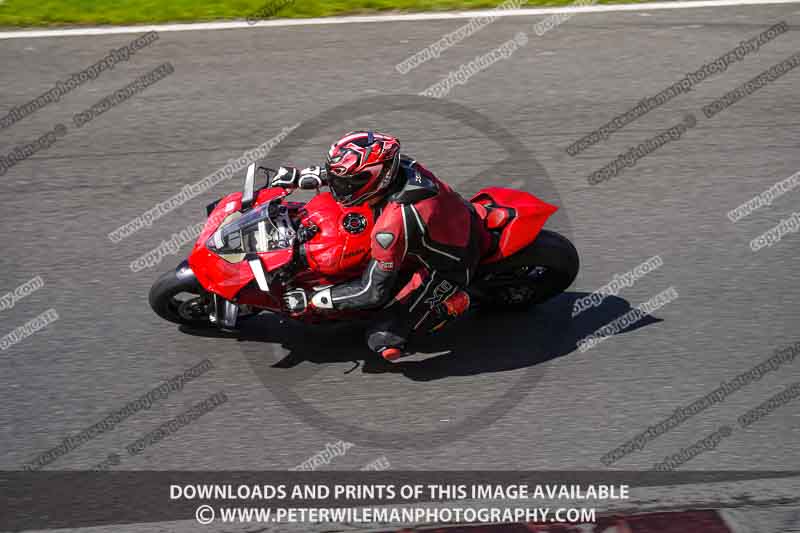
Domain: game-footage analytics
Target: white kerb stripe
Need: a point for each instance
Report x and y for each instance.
(370, 19)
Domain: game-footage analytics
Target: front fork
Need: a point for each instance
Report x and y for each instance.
(223, 313)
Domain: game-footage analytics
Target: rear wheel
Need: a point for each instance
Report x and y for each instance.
(546, 268)
(180, 299)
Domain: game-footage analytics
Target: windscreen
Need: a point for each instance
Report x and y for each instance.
(264, 228)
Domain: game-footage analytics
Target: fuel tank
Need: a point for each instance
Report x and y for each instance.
(342, 244)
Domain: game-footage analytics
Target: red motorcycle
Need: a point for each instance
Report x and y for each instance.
(256, 244)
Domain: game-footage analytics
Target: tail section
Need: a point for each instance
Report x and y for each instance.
(514, 217)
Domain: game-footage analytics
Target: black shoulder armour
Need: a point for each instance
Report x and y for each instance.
(415, 186)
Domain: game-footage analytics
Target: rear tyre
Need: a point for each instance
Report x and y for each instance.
(181, 299)
(546, 268)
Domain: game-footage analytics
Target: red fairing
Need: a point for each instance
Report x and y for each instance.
(342, 245)
(213, 272)
(529, 218)
(220, 276)
(337, 252)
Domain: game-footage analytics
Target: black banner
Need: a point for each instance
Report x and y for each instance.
(46, 500)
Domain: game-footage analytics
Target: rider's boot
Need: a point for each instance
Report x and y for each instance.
(391, 345)
(392, 354)
(453, 307)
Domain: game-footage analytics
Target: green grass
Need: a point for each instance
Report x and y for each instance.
(85, 12)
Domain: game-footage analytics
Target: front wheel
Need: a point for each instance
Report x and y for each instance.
(544, 269)
(177, 296)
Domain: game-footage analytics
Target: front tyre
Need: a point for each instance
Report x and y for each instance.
(177, 296)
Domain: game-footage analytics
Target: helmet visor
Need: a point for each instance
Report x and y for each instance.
(343, 187)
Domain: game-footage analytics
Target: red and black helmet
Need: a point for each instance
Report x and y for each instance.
(361, 165)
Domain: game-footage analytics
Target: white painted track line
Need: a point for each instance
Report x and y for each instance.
(241, 24)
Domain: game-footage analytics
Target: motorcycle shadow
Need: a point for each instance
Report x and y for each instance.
(478, 343)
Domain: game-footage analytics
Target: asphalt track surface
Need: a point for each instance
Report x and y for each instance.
(496, 392)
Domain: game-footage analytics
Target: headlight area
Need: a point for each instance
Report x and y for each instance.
(264, 229)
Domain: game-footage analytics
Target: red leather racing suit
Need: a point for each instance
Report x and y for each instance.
(426, 244)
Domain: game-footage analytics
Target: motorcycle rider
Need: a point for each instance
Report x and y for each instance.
(425, 245)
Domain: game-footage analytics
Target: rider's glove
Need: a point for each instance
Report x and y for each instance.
(297, 300)
(286, 178)
(311, 178)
